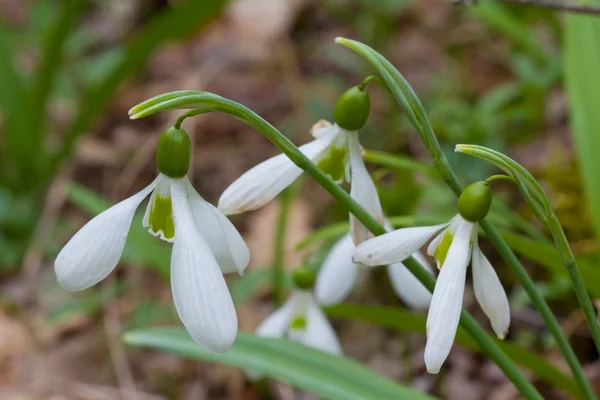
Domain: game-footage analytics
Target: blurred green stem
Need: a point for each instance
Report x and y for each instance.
(285, 202)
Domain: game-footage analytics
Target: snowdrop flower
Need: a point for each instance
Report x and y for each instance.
(300, 319)
(205, 245)
(339, 274)
(336, 151)
(454, 248)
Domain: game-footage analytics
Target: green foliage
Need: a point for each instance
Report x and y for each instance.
(406, 321)
(27, 163)
(582, 63)
(323, 374)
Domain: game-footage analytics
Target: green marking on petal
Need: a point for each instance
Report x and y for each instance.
(442, 250)
(334, 163)
(160, 219)
(298, 322)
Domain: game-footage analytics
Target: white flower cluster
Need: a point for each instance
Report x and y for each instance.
(206, 245)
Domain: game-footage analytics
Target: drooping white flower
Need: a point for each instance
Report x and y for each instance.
(335, 150)
(300, 319)
(339, 274)
(205, 245)
(454, 248)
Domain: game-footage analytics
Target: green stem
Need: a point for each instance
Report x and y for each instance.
(369, 79)
(415, 112)
(562, 244)
(285, 201)
(499, 178)
(541, 305)
(210, 102)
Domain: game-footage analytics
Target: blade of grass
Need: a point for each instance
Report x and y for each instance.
(327, 375)
(582, 63)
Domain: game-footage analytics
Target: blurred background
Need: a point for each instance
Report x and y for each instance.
(489, 74)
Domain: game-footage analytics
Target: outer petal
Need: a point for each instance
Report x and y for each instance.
(94, 251)
(446, 303)
(490, 294)
(276, 324)
(224, 240)
(201, 296)
(407, 286)
(262, 183)
(319, 332)
(394, 246)
(337, 274)
(362, 190)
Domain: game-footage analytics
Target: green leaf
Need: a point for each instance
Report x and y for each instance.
(412, 322)
(142, 248)
(13, 100)
(582, 63)
(323, 374)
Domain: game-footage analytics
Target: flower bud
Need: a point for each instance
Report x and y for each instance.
(173, 152)
(475, 201)
(352, 109)
(304, 278)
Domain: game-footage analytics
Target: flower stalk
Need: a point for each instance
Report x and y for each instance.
(285, 202)
(415, 112)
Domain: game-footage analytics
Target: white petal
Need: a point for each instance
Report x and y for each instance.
(452, 226)
(201, 296)
(407, 286)
(276, 324)
(446, 303)
(319, 332)
(394, 246)
(224, 240)
(262, 183)
(337, 274)
(490, 294)
(362, 190)
(94, 251)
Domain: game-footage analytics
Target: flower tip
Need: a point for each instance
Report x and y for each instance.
(433, 369)
(502, 334)
(459, 148)
(339, 39)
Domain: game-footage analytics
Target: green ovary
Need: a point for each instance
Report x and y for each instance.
(334, 163)
(298, 323)
(442, 250)
(161, 217)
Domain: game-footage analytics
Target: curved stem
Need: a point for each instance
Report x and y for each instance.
(541, 305)
(370, 79)
(494, 178)
(562, 244)
(415, 112)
